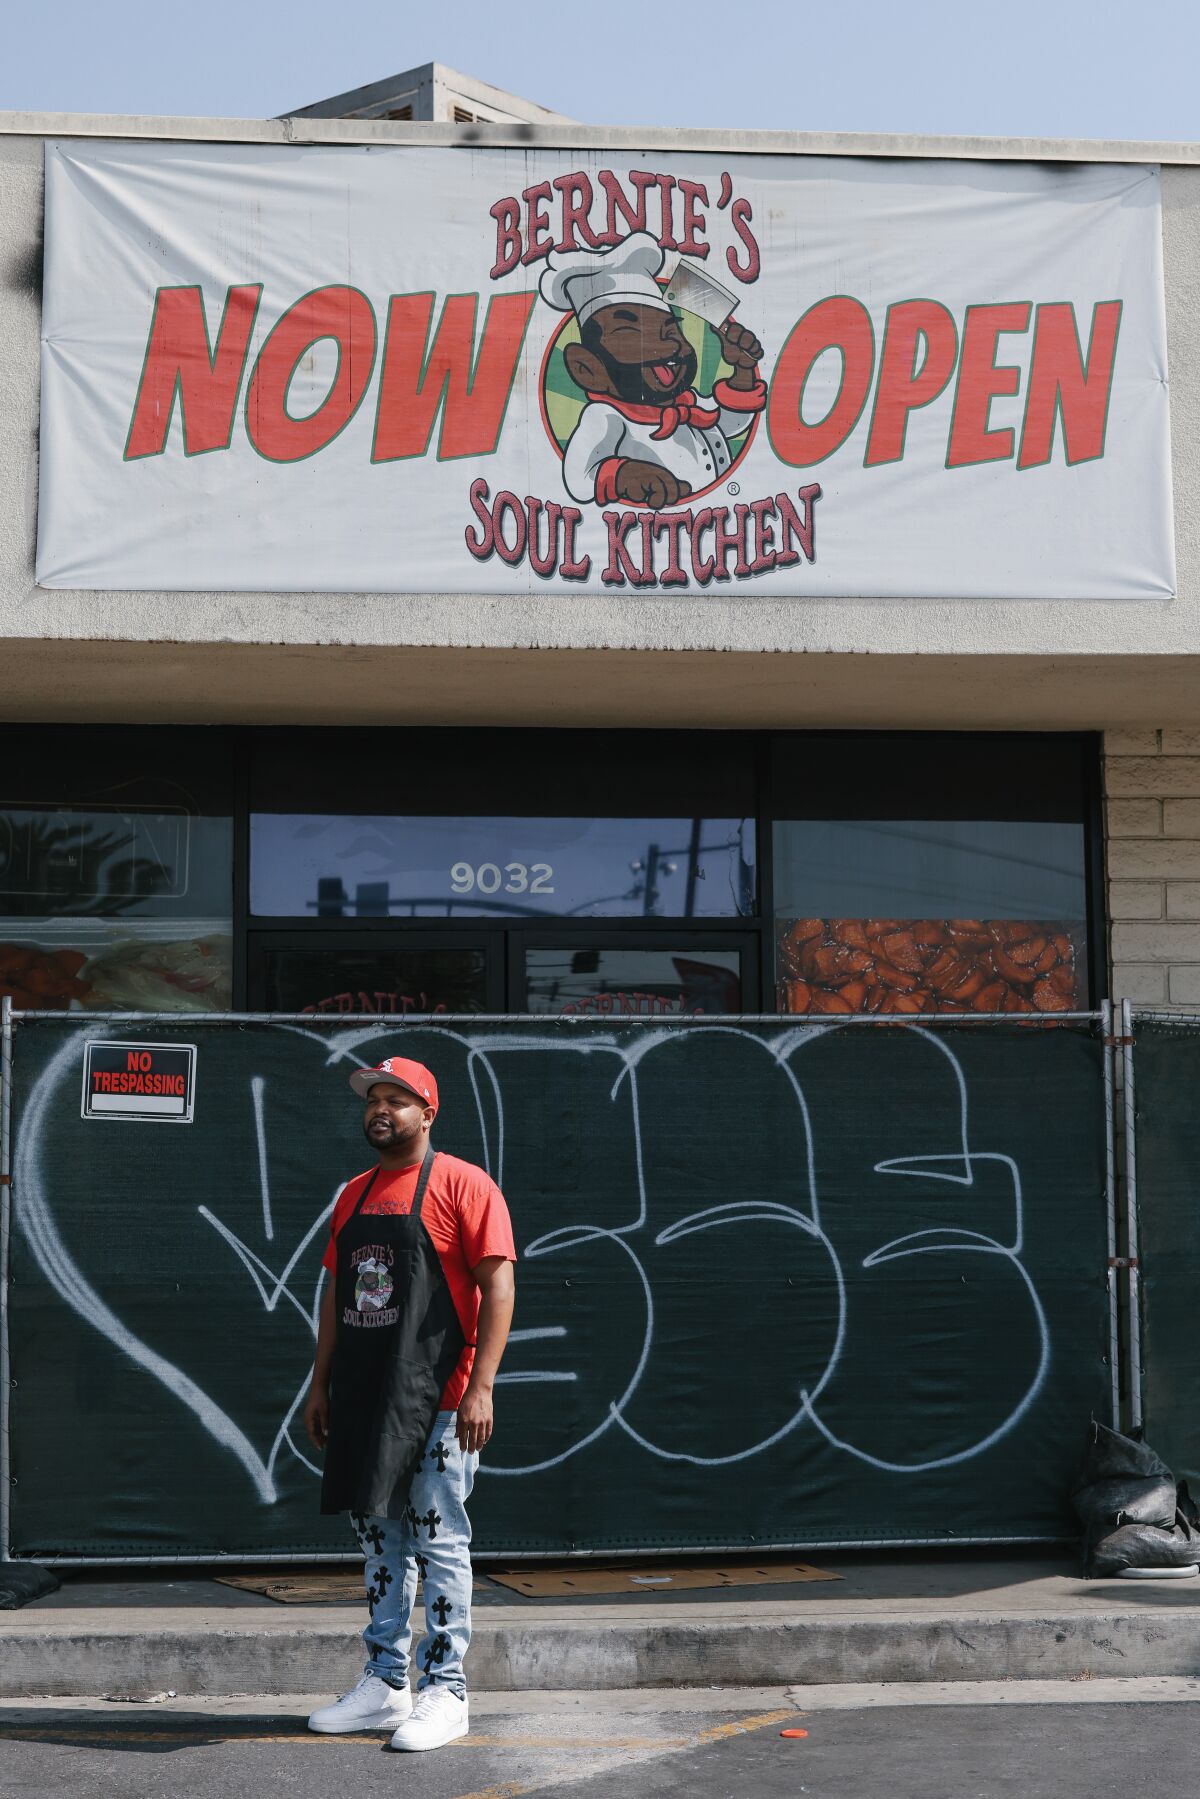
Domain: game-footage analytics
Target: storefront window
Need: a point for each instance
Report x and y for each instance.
(388, 980)
(635, 982)
(115, 885)
(911, 911)
(406, 871)
(339, 866)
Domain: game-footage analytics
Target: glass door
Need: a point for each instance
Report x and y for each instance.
(653, 974)
(389, 974)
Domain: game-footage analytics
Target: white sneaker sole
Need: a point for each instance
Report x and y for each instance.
(371, 1721)
(461, 1730)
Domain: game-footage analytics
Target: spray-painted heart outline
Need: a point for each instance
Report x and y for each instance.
(37, 1224)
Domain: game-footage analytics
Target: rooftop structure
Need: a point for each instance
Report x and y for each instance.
(431, 94)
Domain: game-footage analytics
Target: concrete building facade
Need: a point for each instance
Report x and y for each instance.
(1122, 674)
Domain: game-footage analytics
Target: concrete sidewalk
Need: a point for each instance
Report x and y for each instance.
(890, 1618)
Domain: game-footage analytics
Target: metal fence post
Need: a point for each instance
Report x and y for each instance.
(1110, 1198)
(6, 1061)
(1131, 1221)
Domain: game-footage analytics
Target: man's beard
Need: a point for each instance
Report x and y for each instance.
(395, 1138)
(630, 383)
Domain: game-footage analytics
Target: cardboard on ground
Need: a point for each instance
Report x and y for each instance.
(547, 1583)
(301, 1589)
(316, 1587)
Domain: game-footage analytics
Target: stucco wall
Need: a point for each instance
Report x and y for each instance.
(963, 629)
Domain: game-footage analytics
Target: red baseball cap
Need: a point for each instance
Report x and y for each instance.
(401, 1073)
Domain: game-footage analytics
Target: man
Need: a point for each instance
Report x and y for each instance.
(401, 1397)
(644, 436)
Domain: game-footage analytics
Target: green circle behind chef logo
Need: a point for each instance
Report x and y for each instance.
(563, 401)
(373, 1288)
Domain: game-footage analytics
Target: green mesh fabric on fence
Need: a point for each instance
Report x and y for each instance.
(777, 1284)
(1167, 1138)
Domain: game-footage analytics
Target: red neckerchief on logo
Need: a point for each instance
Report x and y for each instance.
(685, 409)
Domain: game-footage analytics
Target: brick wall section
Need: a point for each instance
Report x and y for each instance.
(1152, 840)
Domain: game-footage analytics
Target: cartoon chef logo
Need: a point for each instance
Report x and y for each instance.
(645, 348)
(373, 1288)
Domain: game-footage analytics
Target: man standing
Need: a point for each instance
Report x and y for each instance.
(412, 1329)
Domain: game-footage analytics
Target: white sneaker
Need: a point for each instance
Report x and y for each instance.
(371, 1704)
(438, 1716)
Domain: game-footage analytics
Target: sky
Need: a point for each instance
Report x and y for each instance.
(1029, 68)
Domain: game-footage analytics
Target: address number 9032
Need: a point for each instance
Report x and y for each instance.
(514, 877)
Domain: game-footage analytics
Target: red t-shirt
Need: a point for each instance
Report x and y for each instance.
(466, 1217)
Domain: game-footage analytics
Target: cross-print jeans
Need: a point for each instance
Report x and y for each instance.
(432, 1540)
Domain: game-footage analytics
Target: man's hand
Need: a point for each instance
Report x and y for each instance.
(645, 484)
(494, 1278)
(743, 353)
(474, 1426)
(316, 1417)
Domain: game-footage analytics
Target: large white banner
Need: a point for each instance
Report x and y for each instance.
(390, 369)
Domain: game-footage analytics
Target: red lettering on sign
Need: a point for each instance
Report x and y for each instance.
(508, 503)
(471, 391)
(558, 556)
(507, 214)
(980, 381)
(704, 568)
(839, 323)
(347, 317)
(1062, 383)
(621, 567)
(576, 191)
(631, 214)
(181, 364)
(741, 212)
(802, 528)
(540, 239)
(917, 331)
(695, 195)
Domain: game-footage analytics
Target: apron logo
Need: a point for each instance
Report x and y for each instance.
(374, 1285)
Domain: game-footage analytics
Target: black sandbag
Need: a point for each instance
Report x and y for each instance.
(1140, 1546)
(1123, 1482)
(22, 1581)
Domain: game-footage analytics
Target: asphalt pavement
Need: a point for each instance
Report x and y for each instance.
(974, 1740)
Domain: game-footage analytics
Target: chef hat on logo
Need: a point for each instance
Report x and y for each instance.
(584, 280)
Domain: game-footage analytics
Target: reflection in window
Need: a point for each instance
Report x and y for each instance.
(116, 894)
(109, 860)
(638, 983)
(930, 916)
(388, 982)
(330, 866)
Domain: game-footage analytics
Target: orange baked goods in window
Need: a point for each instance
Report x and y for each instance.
(913, 966)
(41, 980)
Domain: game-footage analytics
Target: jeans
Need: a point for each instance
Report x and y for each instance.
(433, 1539)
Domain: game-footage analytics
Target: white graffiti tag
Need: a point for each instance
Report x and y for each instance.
(608, 1365)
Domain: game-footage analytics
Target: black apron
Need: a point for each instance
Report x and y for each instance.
(398, 1341)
